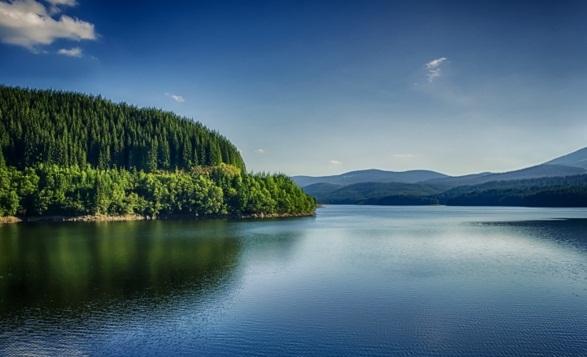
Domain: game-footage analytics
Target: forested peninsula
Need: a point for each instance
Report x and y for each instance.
(71, 155)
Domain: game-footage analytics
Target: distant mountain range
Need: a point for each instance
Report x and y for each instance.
(372, 175)
(561, 181)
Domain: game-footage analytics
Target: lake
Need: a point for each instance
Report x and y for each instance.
(354, 280)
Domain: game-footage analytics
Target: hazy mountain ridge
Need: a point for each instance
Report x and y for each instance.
(371, 175)
(576, 159)
(368, 191)
(538, 171)
(547, 191)
(557, 182)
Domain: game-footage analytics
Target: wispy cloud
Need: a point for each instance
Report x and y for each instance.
(434, 68)
(54, 7)
(403, 156)
(30, 24)
(71, 52)
(175, 97)
(335, 162)
(260, 151)
(62, 2)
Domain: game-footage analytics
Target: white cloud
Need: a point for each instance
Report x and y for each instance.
(71, 52)
(260, 151)
(177, 98)
(434, 68)
(335, 162)
(29, 24)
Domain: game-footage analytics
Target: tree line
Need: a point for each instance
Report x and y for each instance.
(49, 189)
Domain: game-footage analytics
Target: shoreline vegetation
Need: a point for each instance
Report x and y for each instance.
(74, 194)
(134, 217)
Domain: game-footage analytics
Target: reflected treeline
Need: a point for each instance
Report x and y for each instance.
(72, 265)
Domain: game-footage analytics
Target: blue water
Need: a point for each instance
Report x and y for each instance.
(354, 280)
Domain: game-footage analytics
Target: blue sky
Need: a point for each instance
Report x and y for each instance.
(325, 87)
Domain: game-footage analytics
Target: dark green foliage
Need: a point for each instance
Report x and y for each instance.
(203, 191)
(70, 129)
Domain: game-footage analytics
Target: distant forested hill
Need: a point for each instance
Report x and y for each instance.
(372, 193)
(567, 191)
(558, 182)
(52, 127)
(372, 175)
(571, 164)
(69, 154)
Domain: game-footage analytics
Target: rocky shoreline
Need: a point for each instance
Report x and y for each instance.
(134, 217)
(274, 215)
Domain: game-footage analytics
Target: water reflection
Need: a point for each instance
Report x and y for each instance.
(73, 265)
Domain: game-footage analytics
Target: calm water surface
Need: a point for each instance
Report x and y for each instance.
(351, 281)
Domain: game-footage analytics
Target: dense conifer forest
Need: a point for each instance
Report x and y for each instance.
(52, 127)
(72, 154)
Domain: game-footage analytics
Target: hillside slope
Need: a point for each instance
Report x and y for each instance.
(575, 159)
(568, 191)
(368, 192)
(534, 172)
